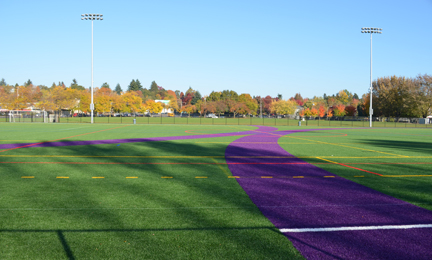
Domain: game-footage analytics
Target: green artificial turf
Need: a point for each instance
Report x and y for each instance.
(146, 217)
(402, 156)
(150, 203)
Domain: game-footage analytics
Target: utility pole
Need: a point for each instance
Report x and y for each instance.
(261, 106)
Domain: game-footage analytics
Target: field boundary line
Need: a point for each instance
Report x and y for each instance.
(356, 228)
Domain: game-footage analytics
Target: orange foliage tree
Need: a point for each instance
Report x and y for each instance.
(321, 111)
(339, 110)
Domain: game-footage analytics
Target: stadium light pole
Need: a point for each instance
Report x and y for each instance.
(371, 31)
(91, 17)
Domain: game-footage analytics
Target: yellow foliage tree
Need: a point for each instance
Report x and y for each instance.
(133, 102)
(153, 107)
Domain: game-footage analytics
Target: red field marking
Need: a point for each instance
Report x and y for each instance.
(28, 145)
(349, 166)
(360, 169)
(396, 163)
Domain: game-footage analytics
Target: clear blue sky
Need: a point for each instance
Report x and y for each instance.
(256, 47)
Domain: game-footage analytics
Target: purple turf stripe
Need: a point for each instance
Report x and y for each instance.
(315, 201)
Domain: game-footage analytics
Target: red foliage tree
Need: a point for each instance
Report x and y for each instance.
(350, 110)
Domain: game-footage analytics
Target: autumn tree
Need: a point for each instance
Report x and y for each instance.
(321, 111)
(214, 96)
(220, 107)
(189, 109)
(344, 96)
(103, 99)
(153, 107)
(350, 110)
(133, 101)
(283, 107)
(339, 110)
(251, 104)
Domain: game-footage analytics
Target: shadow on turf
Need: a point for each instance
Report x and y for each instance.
(421, 147)
(70, 255)
(228, 195)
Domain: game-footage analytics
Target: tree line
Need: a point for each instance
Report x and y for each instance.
(392, 97)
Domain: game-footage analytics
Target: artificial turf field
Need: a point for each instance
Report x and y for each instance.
(168, 198)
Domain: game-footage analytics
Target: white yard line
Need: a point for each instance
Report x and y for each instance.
(329, 229)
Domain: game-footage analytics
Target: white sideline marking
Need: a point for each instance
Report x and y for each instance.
(299, 230)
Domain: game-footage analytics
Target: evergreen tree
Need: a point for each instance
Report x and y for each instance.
(355, 96)
(154, 88)
(105, 85)
(118, 89)
(74, 85)
(28, 83)
(196, 98)
(131, 85)
(138, 84)
(2, 82)
(135, 85)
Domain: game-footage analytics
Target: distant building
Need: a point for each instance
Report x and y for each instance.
(166, 104)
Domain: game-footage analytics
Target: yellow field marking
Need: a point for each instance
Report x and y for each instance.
(220, 167)
(21, 141)
(62, 177)
(266, 177)
(27, 177)
(131, 177)
(352, 147)
(235, 177)
(361, 176)
(166, 177)
(98, 177)
(329, 176)
(405, 176)
(327, 160)
(201, 177)
(298, 177)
